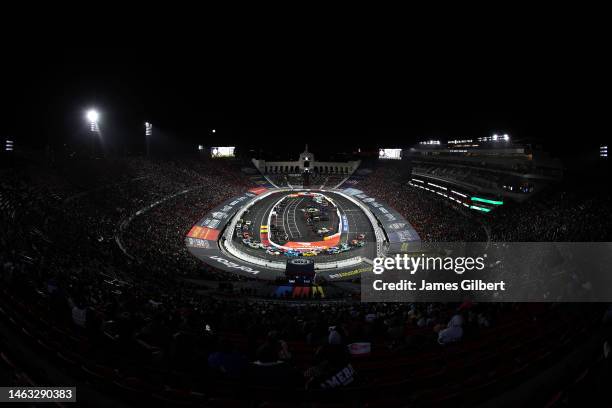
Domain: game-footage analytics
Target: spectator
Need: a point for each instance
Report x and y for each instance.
(268, 370)
(227, 361)
(332, 369)
(453, 332)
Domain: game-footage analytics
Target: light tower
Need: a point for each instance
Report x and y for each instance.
(148, 134)
(92, 116)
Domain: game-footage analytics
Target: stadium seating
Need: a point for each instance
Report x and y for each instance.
(144, 338)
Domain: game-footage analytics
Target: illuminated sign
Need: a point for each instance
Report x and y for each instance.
(227, 151)
(483, 209)
(394, 154)
(495, 138)
(484, 200)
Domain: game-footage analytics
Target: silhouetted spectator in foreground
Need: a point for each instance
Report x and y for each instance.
(269, 371)
(332, 369)
(227, 361)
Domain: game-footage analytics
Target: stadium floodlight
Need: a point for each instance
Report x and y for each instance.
(148, 129)
(93, 117)
(214, 131)
(8, 146)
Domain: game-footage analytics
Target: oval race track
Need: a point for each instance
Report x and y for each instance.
(356, 223)
(360, 228)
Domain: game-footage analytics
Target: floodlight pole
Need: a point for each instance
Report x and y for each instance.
(92, 117)
(148, 134)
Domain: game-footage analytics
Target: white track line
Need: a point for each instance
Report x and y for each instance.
(348, 224)
(283, 218)
(294, 205)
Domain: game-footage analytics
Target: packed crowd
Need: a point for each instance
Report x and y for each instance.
(554, 215)
(434, 220)
(557, 215)
(60, 255)
(60, 229)
(313, 180)
(487, 179)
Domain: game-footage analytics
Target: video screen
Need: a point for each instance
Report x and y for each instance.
(392, 154)
(227, 151)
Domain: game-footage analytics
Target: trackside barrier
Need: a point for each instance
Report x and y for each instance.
(228, 244)
(378, 233)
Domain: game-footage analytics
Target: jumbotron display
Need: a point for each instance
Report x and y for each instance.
(227, 151)
(393, 154)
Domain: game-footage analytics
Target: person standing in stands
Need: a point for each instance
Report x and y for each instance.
(268, 370)
(332, 369)
(453, 332)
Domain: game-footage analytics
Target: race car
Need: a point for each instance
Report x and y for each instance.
(273, 252)
(361, 236)
(344, 247)
(357, 243)
(292, 254)
(333, 250)
(310, 253)
(322, 231)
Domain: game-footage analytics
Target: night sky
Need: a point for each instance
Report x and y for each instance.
(333, 102)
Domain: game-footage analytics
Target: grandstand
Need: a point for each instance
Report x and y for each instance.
(496, 168)
(99, 290)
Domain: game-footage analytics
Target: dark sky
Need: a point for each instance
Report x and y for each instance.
(277, 102)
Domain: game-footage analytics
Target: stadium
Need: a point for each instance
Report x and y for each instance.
(140, 267)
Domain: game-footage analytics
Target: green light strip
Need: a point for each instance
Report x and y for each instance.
(484, 200)
(483, 209)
